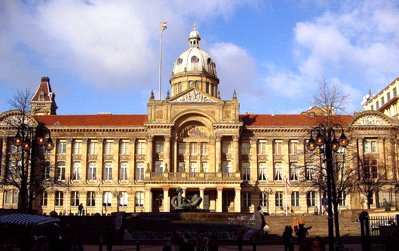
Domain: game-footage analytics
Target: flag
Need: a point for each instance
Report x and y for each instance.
(287, 182)
(163, 26)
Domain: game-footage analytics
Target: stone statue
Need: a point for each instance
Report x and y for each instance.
(181, 203)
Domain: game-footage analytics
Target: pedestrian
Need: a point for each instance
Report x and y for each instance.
(302, 232)
(288, 239)
(80, 208)
(201, 242)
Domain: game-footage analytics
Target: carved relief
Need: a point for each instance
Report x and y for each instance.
(194, 96)
(159, 114)
(193, 131)
(370, 120)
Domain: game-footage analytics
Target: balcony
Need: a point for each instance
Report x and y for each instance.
(190, 176)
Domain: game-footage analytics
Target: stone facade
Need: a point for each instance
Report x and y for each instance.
(196, 141)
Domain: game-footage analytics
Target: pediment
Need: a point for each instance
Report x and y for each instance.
(193, 96)
(371, 118)
(15, 118)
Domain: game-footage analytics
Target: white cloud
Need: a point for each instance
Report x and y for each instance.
(236, 69)
(104, 43)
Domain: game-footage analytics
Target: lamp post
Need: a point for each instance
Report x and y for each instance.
(324, 137)
(27, 140)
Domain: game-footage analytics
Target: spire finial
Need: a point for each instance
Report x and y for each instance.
(195, 26)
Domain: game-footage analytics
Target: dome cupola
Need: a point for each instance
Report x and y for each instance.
(194, 68)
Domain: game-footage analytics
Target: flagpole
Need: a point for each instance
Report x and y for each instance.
(160, 64)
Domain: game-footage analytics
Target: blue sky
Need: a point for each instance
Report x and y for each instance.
(103, 55)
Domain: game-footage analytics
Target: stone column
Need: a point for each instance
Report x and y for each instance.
(219, 200)
(201, 190)
(167, 153)
(147, 200)
(166, 199)
(132, 163)
(149, 147)
(236, 156)
(237, 200)
(218, 148)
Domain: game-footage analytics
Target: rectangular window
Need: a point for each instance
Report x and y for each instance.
(246, 199)
(60, 171)
(108, 147)
(226, 147)
(107, 171)
(182, 148)
(158, 166)
(193, 148)
(11, 197)
(377, 105)
(279, 199)
(159, 147)
(278, 171)
(44, 199)
(371, 168)
(263, 199)
(294, 146)
(342, 199)
(124, 148)
(277, 145)
(107, 199)
(388, 96)
(123, 199)
(76, 166)
(262, 171)
(140, 147)
(309, 171)
(370, 146)
(294, 171)
(75, 198)
(181, 167)
(245, 171)
(205, 167)
(204, 149)
(91, 173)
(59, 198)
(295, 199)
(123, 170)
(394, 92)
(262, 147)
(311, 198)
(382, 101)
(77, 147)
(193, 167)
(139, 171)
(46, 171)
(245, 148)
(61, 147)
(226, 167)
(139, 199)
(93, 147)
(91, 199)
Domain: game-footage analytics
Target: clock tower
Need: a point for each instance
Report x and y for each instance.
(43, 101)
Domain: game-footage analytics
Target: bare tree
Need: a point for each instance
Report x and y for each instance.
(27, 169)
(370, 178)
(332, 100)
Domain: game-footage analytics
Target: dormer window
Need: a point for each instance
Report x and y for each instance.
(194, 59)
(41, 96)
(179, 61)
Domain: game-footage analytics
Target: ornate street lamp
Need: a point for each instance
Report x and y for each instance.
(27, 140)
(324, 137)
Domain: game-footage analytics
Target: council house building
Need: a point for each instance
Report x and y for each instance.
(196, 141)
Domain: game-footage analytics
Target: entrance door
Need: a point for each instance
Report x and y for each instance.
(157, 200)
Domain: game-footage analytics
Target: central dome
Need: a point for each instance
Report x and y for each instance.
(194, 59)
(194, 68)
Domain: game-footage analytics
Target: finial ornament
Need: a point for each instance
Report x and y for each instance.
(195, 26)
(152, 95)
(234, 94)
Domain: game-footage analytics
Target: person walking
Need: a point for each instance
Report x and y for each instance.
(80, 208)
(288, 239)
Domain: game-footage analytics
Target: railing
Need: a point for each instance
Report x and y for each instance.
(173, 176)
